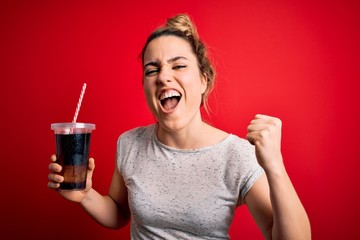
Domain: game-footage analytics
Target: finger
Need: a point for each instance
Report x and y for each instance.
(262, 116)
(251, 138)
(258, 137)
(273, 123)
(91, 167)
(53, 185)
(53, 158)
(91, 163)
(55, 177)
(55, 167)
(257, 127)
(261, 119)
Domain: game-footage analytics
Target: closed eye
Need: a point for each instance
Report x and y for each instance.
(179, 66)
(151, 72)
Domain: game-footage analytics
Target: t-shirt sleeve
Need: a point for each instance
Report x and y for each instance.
(250, 182)
(252, 169)
(118, 152)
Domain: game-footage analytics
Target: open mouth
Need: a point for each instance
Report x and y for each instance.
(169, 99)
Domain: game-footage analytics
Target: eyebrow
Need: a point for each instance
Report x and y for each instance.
(156, 64)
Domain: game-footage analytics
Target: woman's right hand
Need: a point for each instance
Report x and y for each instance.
(55, 179)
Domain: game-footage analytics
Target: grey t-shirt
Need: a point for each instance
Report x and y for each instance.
(184, 194)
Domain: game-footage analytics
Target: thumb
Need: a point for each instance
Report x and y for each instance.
(91, 167)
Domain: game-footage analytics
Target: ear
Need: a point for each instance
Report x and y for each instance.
(204, 81)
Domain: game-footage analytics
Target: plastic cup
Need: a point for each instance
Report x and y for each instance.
(72, 152)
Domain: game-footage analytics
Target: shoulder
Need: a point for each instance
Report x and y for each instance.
(137, 134)
(229, 140)
(131, 141)
(240, 144)
(136, 137)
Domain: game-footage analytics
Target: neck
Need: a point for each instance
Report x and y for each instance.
(190, 136)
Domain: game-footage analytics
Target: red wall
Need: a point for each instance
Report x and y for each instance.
(295, 60)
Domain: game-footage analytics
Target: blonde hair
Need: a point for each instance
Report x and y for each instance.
(181, 26)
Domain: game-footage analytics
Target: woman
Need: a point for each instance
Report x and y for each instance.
(182, 178)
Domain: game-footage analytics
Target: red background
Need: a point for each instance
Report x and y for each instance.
(295, 60)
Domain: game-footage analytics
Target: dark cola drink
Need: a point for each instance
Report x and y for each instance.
(72, 152)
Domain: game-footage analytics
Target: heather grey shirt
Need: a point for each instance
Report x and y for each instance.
(184, 194)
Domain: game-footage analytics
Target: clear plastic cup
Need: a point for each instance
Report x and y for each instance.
(72, 152)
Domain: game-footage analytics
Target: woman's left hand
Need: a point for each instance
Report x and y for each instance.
(265, 133)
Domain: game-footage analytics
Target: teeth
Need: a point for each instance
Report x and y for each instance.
(168, 94)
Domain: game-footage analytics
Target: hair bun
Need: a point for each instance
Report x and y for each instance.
(183, 23)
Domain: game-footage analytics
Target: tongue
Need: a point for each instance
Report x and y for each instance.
(170, 103)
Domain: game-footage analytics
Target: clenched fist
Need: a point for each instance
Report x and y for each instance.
(265, 133)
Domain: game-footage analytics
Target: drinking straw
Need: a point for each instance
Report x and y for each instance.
(79, 103)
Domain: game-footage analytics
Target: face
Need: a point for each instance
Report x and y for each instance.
(173, 83)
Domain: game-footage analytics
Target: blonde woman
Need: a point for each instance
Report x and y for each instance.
(182, 178)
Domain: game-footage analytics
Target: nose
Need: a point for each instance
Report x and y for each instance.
(164, 76)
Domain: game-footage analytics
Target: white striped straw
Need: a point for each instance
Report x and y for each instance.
(79, 103)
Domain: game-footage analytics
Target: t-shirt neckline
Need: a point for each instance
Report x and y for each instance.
(193, 150)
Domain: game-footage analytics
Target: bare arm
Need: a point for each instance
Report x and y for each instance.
(111, 210)
(272, 200)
